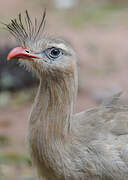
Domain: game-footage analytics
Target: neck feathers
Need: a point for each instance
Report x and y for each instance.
(54, 103)
(50, 124)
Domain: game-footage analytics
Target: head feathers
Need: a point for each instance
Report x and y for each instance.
(23, 29)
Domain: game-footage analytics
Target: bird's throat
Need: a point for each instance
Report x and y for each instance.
(53, 107)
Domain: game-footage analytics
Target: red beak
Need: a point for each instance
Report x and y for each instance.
(19, 52)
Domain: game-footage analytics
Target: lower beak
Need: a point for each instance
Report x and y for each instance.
(19, 52)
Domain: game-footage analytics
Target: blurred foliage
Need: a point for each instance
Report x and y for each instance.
(4, 140)
(93, 14)
(7, 80)
(14, 157)
(15, 99)
(12, 162)
(4, 99)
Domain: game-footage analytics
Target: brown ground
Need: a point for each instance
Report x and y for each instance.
(102, 48)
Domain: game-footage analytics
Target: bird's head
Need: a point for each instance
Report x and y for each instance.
(49, 55)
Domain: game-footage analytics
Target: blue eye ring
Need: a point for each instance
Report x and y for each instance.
(53, 53)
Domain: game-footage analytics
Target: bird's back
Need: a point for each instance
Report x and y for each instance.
(103, 131)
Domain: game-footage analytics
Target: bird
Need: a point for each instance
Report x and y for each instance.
(64, 145)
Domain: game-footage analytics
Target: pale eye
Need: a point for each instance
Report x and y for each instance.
(53, 53)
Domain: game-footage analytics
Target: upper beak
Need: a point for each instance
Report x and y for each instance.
(19, 52)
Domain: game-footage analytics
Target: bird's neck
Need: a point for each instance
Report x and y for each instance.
(54, 105)
(50, 125)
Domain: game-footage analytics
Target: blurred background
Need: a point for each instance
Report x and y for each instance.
(98, 31)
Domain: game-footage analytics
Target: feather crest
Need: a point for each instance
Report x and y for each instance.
(23, 29)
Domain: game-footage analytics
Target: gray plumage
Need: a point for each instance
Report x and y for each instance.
(90, 145)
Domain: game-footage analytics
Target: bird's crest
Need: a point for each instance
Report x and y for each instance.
(24, 29)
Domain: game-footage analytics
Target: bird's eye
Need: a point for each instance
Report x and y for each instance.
(53, 53)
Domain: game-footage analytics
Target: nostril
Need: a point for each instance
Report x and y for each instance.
(27, 50)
